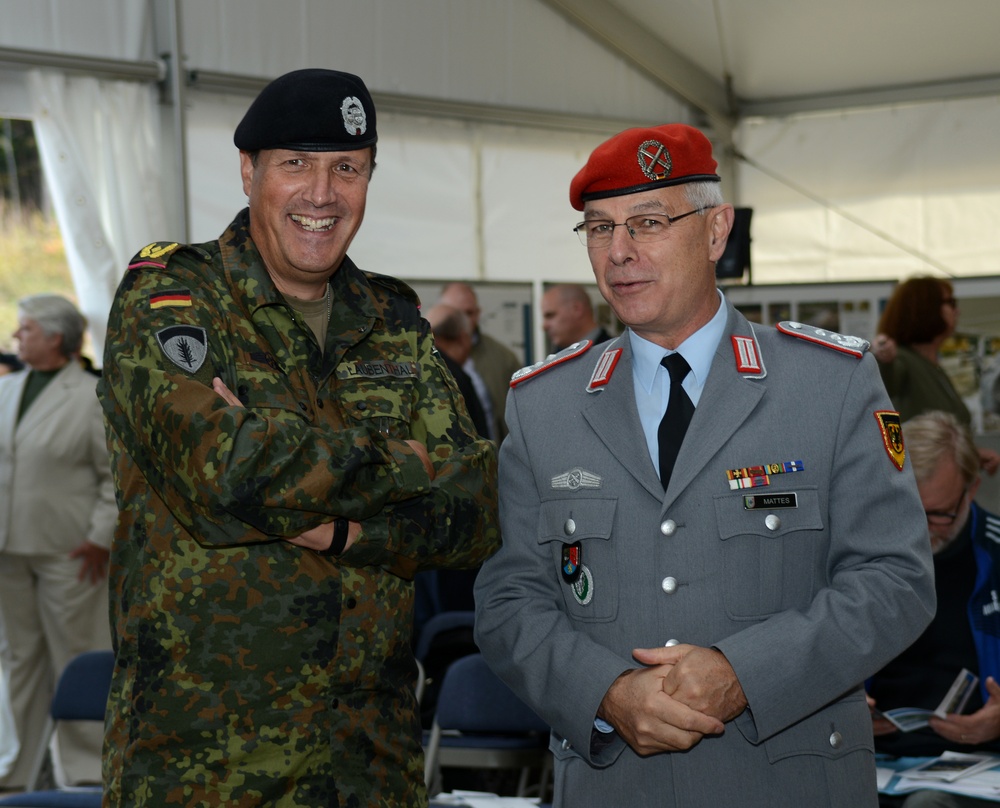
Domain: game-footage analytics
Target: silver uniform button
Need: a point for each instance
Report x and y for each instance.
(565, 745)
(836, 740)
(772, 522)
(669, 585)
(668, 527)
(570, 527)
(671, 643)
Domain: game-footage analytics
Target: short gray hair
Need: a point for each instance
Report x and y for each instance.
(56, 315)
(704, 194)
(935, 435)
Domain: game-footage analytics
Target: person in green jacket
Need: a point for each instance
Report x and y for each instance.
(921, 314)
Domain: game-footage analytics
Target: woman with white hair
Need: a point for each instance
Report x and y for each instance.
(57, 516)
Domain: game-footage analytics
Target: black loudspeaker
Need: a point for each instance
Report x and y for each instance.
(735, 259)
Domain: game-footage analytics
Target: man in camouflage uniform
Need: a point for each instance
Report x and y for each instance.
(289, 450)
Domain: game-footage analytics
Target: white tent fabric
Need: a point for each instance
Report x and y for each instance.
(448, 201)
(98, 144)
(864, 194)
(874, 194)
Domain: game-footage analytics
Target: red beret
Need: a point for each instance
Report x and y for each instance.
(643, 159)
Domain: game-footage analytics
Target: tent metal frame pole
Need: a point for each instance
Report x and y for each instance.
(178, 89)
(115, 69)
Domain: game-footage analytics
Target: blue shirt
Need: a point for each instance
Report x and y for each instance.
(652, 382)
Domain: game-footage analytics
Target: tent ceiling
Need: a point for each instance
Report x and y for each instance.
(785, 56)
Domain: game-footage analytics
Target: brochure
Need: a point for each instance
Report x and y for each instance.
(950, 767)
(907, 719)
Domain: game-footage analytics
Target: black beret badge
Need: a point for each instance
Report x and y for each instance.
(355, 120)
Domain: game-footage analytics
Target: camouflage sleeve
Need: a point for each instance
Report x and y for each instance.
(231, 475)
(456, 524)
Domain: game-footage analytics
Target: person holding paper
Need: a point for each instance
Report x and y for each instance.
(965, 632)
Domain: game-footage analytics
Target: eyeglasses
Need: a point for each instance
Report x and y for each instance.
(644, 227)
(942, 519)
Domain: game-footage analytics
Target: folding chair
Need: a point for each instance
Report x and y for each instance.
(445, 637)
(81, 695)
(480, 723)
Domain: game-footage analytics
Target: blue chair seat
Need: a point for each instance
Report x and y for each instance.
(90, 798)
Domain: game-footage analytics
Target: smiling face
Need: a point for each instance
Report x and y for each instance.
(663, 290)
(305, 208)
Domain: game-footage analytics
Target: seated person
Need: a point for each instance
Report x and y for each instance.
(965, 632)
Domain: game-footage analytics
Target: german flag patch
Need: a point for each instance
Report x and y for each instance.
(892, 436)
(175, 298)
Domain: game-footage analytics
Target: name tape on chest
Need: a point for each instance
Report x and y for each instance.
(771, 501)
(378, 369)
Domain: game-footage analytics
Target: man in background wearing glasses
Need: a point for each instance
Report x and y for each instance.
(965, 632)
(699, 572)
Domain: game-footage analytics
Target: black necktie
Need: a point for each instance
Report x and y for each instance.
(675, 421)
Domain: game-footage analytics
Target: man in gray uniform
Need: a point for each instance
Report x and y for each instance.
(693, 605)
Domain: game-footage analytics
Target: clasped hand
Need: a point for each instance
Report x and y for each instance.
(685, 693)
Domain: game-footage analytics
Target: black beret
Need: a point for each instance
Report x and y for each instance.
(310, 110)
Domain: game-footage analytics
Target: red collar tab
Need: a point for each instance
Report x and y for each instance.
(746, 352)
(573, 351)
(855, 346)
(604, 368)
(747, 356)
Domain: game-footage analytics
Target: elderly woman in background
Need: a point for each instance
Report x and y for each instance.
(57, 516)
(920, 315)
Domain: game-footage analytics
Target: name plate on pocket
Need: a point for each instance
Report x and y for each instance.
(758, 501)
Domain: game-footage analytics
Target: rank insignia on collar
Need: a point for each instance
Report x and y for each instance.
(184, 345)
(604, 368)
(575, 478)
(747, 356)
(572, 560)
(892, 436)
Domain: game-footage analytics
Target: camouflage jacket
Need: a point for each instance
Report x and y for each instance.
(251, 671)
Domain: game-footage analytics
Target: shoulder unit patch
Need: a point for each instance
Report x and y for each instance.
(184, 345)
(855, 346)
(892, 436)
